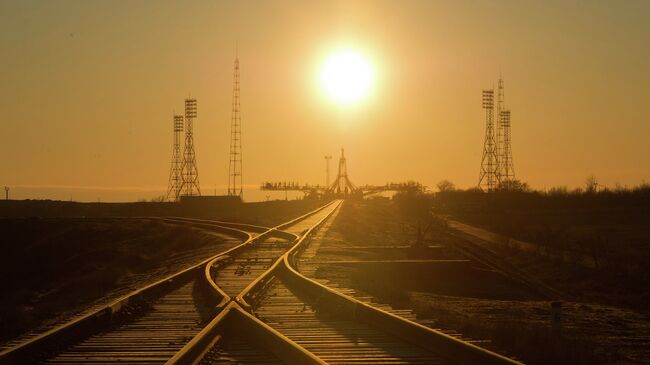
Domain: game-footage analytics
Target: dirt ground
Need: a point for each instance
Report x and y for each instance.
(53, 268)
(79, 256)
(475, 300)
(268, 213)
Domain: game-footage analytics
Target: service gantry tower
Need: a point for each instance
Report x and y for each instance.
(342, 184)
(176, 172)
(235, 182)
(488, 176)
(190, 171)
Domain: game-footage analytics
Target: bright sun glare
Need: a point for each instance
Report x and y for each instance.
(347, 77)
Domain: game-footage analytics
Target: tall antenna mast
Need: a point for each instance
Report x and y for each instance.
(487, 180)
(190, 171)
(499, 131)
(176, 172)
(235, 182)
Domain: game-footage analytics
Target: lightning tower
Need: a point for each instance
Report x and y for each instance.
(176, 173)
(488, 176)
(235, 181)
(190, 172)
(506, 167)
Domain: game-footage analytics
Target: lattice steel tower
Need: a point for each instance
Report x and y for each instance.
(506, 167)
(487, 180)
(499, 127)
(190, 171)
(176, 173)
(235, 182)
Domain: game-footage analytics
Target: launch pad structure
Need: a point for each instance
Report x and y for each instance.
(342, 186)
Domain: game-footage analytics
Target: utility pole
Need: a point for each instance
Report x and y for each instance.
(6, 193)
(327, 171)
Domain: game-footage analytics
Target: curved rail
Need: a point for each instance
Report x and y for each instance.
(257, 286)
(234, 318)
(237, 315)
(448, 347)
(278, 231)
(242, 226)
(89, 322)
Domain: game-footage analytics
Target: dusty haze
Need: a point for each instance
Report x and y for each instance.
(89, 88)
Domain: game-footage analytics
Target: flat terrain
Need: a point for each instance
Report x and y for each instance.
(261, 213)
(597, 245)
(53, 268)
(473, 299)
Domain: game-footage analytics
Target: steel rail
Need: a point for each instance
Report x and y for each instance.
(242, 226)
(87, 323)
(236, 316)
(230, 254)
(451, 348)
(233, 318)
(447, 346)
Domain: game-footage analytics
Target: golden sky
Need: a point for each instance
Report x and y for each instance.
(88, 90)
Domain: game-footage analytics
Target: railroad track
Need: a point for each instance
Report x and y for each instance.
(284, 317)
(251, 305)
(149, 325)
(130, 283)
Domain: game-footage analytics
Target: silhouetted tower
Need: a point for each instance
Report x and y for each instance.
(176, 172)
(190, 172)
(6, 193)
(499, 127)
(235, 182)
(327, 170)
(342, 184)
(506, 167)
(487, 180)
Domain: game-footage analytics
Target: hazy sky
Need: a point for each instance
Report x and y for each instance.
(88, 90)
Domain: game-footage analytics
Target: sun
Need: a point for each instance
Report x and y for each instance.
(347, 77)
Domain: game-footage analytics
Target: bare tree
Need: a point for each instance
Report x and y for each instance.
(591, 184)
(514, 185)
(445, 185)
